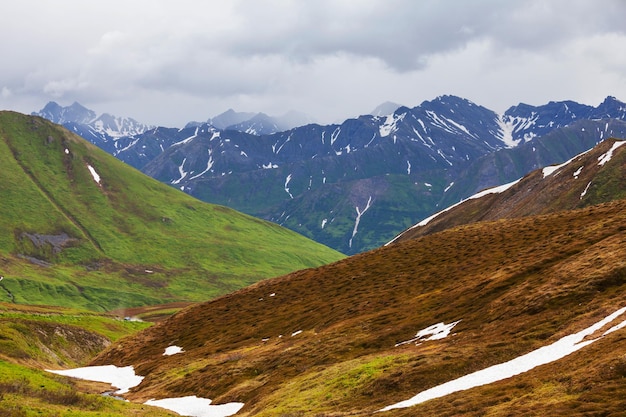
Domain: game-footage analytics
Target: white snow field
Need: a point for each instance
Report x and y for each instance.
(124, 378)
(121, 378)
(196, 407)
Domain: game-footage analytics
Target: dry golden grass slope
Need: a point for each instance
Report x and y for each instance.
(322, 342)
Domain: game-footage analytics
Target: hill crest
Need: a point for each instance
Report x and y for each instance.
(592, 177)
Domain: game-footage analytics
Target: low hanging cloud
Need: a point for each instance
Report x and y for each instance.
(168, 62)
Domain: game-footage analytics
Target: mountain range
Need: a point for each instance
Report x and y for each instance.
(353, 186)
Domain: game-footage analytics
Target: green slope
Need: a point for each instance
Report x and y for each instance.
(66, 239)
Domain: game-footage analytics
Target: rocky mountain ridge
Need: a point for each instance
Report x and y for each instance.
(355, 185)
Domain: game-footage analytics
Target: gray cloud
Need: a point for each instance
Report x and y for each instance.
(170, 62)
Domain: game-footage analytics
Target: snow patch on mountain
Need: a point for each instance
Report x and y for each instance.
(124, 378)
(359, 213)
(577, 172)
(585, 190)
(94, 174)
(390, 124)
(549, 170)
(506, 132)
(287, 180)
(189, 139)
(209, 165)
(603, 159)
(182, 172)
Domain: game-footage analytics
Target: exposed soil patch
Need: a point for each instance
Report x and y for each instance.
(56, 242)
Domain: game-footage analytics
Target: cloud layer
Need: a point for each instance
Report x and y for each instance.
(167, 63)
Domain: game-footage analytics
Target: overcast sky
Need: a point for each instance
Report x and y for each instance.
(167, 62)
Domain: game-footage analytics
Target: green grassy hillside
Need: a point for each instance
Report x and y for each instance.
(80, 228)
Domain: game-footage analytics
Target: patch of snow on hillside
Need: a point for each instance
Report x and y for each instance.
(269, 166)
(438, 122)
(615, 328)
(460, 127)
(553, 168)
(276, 151)
(549, 170)
(123, 378)
(286, 184)
(196, 407)
(334, 135)
(189, 139)
(181, 171)
(390, 124)
(324, 221)
(94, 174)
(423, 125)
(408, 168)
(124, 149)
(209, 165)
(507, 127)
(585, 190)
(557, 350)
(578, 171)
(603, 159)
(172, 350)
(444, 157)
(435, 332)
(358, 219)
